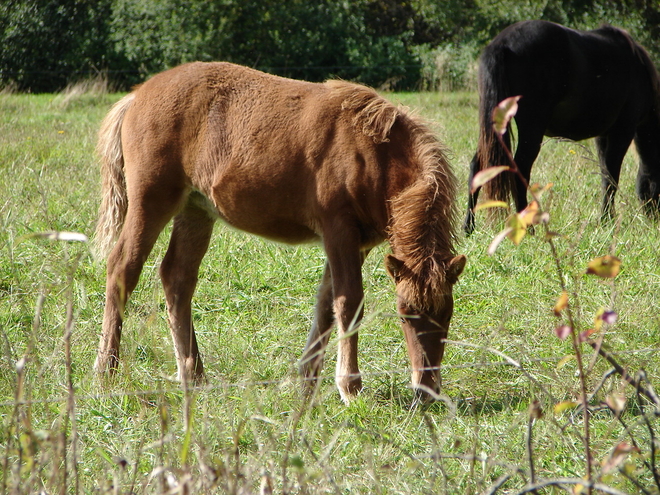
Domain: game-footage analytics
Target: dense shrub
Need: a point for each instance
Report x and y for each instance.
(45, 44)
(399, 44)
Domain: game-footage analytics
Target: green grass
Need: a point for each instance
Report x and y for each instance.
(252, 310)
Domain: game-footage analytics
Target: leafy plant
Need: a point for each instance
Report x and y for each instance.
(605, 267)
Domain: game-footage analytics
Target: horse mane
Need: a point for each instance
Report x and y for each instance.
(373, 115)
(422, 228)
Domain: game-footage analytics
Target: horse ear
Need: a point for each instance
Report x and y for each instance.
(394, 266)
(455, 268)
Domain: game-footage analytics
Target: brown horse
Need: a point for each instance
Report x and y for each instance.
(287, 160)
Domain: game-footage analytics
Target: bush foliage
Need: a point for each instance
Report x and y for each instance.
(401, 44)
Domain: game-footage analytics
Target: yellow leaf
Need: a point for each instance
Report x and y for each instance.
(563, 361)
(518, 228)
(488, 174)
(629, 468)
(561, 303)
(604, 267)
(538, 190)
(579, 489)
(598, 321)
(491, 204)
(564, 406)
(530, 215)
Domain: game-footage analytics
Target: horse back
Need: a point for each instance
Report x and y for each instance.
(584, 82)
(273, 156)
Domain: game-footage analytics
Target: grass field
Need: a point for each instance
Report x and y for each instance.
(66, 431)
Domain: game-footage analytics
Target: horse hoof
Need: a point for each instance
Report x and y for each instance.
(468, 226)
(106, 363)
(349, 387)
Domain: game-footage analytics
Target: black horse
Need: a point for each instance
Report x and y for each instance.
(577, 85)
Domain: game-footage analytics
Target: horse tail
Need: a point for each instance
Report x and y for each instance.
(493, 88)
(114, 199)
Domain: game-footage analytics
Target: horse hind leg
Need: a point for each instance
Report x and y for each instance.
(311, 362)
(191, 234)
(146, 217)
(469, 222)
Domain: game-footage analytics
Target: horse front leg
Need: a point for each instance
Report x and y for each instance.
(525, 156)
(648, 175)
(345, 260)
(191, 234)
(311, 362)
(532, 120)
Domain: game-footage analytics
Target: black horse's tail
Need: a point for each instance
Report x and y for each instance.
(493, 88)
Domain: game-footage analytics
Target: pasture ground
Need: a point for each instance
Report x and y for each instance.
(64, 430)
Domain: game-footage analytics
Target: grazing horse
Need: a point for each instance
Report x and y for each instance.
(577, 85)
(290, 161)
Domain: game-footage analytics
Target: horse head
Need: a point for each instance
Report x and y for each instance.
(425, 304)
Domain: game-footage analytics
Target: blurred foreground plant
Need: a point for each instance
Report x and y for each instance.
(597, 475)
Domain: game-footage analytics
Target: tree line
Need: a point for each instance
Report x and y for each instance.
(396, 44)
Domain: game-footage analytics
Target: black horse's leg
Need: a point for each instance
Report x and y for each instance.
(468, 223)
(648, 176)
(611, 150)
(531, 127)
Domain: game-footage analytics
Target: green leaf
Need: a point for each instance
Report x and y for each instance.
(491, 204)
(565, 360)
(297, 462)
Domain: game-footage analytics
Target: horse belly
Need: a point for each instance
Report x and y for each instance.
(597, 96)
(581, 120)
(278, 214)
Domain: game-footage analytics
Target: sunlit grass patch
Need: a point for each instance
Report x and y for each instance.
(251, 426)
